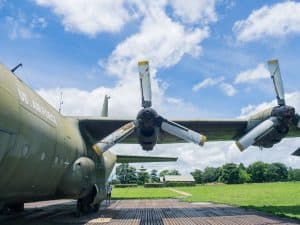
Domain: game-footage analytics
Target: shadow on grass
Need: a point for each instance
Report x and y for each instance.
(291, 211)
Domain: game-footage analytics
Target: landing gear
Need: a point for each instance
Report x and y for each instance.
(85, 204)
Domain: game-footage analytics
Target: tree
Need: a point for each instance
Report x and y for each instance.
(142, 176)
(257, 172)
(198, 176)
(153, 176)
(244, 177)
(293, 174)
(174, 172)
(126, 174)
(276, 172)
(230, 174)
(163, 173)
(210, 174)
(168, 172)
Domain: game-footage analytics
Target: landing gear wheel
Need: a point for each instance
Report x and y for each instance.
(96, 207)
(83, 205)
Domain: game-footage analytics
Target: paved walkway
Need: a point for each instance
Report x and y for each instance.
(143, 212)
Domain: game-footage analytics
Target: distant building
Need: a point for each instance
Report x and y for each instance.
(177, 178)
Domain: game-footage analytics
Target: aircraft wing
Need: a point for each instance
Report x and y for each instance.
(215, 130)
(143, 159)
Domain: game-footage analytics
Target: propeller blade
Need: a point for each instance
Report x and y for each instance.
(183, 132)
(145, 83)
(114, 138)
(277, 80)
(297, 152)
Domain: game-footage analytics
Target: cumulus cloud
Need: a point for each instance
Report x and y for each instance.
(227, 88)
(192, 11)
(252, 75)
(160, 40)
(269, 21)
(207, 83)
(19, 26)
(89, 17)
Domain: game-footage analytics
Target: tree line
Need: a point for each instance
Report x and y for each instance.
(230, 173)
(127, 174)
(257, 172)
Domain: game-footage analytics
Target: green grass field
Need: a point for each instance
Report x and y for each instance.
(277, 198)
(142, 193)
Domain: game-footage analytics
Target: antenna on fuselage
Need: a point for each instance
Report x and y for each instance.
(16, 67)
(104, 112)
(61, 102)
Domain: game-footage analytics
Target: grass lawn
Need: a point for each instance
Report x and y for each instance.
(279, 198)
(142, 193)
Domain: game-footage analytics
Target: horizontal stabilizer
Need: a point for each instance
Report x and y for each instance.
(143, 159)
(297, 152)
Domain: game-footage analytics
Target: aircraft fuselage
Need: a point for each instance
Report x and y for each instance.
(42, 153)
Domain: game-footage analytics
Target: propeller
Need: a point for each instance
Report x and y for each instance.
(277, 80)
(114, 138)
(148, 122)
(145, 83)
(273, 121)
(288, 111)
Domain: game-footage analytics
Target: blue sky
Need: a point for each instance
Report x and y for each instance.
(88, 48)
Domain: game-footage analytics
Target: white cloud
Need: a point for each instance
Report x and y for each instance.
(269, 21)
(160, 40)
(89, 17)
(228, 89)
(252, 75)
(94, 16)
(192, 11)
(208, 82)
(19, 26)
(38, 22)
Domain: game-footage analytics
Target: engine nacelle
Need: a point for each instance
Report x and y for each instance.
(79, 179)
(263, 133)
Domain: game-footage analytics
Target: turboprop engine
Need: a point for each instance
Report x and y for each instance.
(148, 123)
(268, 127)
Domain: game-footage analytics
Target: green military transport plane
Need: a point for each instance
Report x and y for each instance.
(45, 155)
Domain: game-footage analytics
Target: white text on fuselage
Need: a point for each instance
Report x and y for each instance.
(36, 106)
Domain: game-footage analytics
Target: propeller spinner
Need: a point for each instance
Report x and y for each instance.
(148, 123)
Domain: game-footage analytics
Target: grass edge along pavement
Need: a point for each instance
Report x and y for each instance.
(281, 198)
